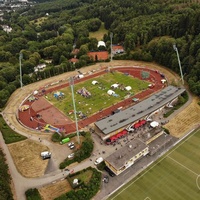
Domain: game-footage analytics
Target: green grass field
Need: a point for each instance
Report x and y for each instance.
(99, 98)
(176, 176)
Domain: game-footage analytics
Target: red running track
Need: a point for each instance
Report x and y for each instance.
(42, 112)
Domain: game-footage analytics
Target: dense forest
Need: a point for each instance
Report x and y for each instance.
(50, 30)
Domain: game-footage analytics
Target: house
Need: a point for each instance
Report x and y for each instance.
(73, 60)
(125, 157)
(117, 49)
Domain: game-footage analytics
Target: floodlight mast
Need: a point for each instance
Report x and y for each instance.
(111, 51)
(20, 68)
(179, 62)
(71, 82)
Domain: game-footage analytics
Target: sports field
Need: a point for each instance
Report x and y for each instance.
(95, 96)
(175, 176)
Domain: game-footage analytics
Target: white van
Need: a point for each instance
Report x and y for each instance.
(45, 155)
(98, 160)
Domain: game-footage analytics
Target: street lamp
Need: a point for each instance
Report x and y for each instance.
(71, 83)
(179, 62)
(111, 52)
(20, 68)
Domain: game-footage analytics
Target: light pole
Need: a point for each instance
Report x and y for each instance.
(71, 83)
(20, 68)
(179, 62)
(111, 52)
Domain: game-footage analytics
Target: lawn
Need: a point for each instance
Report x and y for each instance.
(99, 34)
(99, 99)
(174, 176)
(84, 176)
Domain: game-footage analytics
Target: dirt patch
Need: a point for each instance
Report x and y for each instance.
(54, 190)
(185, 120)
(26, 156)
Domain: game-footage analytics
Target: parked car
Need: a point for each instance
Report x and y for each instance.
(45, 155)
(71, 155)
(98, 160)
(70, 144)
(72, 147)
(105, 179)
(109, 171)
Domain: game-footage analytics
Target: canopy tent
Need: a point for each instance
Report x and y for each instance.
(128, 88)
(58, 94)
(101, 43)
(163, 81)
(35, 92)
(154, 124)
(80, 75)
(110, 92)
(94, 82)
(115, 85)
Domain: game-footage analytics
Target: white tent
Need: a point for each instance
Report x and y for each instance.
(128, 88)
(35, 92)
(110, 92)
(115, 85)
(75, 181)
(154, 124)
(94, 82)
(163, 81)
(80, 75)
(101, 43)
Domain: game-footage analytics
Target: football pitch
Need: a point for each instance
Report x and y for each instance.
(175, 176)
(98, 98)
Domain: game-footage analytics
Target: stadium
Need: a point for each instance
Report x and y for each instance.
(125, 115)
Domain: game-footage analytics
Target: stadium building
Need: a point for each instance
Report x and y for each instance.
(126, 156)
(141, 111)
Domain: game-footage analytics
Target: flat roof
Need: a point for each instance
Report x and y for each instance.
(141, 109)
(121, 156)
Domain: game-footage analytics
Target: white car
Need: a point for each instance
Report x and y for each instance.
(98, 160)
(72, 147)
(70, 144)
(71, 155)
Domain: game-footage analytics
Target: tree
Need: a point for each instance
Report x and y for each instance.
(4, 96)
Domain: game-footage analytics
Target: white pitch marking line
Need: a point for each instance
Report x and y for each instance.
(179, 143)
(182, 165)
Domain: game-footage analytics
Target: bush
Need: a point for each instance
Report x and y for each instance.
(101, 166)
(81, 154)
(33, 194)
(5, 190)
(56, 137)
(85, 191)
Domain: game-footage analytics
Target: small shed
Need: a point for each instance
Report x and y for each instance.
(163, 81)
(110, 92)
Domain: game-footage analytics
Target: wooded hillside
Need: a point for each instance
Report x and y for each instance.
(147, 29)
